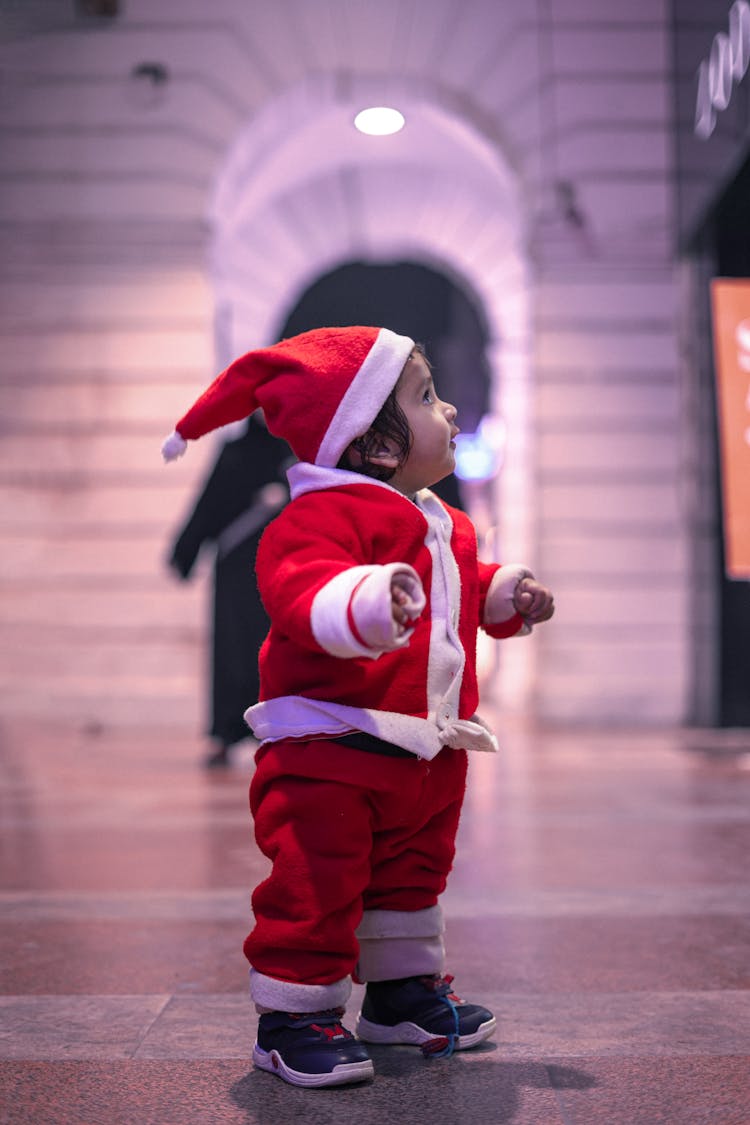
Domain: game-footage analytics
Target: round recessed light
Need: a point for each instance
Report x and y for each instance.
(379, 121)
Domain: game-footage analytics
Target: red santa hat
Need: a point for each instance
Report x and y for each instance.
(318, 391)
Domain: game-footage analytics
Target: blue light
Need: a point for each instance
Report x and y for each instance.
(479, 455)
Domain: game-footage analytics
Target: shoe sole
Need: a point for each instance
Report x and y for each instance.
(341, 1075)
(411, 1034)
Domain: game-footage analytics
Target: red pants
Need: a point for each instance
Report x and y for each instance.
(346, 831)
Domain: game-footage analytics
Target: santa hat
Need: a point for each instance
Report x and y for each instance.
(318, 391)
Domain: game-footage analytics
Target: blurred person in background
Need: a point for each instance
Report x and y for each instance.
(245, 489)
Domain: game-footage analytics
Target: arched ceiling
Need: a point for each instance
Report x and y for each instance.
(301, 191)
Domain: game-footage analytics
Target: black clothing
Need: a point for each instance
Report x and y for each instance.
(231, 513)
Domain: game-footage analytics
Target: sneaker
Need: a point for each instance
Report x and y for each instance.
(311, 1049)
(425, 1012)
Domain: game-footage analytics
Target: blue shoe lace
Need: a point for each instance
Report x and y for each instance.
(442, 1046)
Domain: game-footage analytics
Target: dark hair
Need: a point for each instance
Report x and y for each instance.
(392, 424)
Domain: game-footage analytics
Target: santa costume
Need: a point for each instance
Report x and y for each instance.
(362, 765)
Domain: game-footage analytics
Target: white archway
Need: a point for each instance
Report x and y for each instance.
(301, 192)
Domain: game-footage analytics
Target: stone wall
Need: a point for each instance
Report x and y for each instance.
(107, 302)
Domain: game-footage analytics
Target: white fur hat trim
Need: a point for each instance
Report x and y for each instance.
(174, 447)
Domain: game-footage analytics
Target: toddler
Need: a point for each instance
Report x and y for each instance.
(375, 593)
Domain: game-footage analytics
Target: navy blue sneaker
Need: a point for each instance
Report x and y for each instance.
(425, 1012)
(311, 1049)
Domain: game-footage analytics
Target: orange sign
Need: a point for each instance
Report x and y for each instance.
(731, 315)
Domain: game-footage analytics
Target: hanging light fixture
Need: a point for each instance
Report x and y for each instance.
(379, 121)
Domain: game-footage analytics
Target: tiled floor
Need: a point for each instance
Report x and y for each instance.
(600, 904)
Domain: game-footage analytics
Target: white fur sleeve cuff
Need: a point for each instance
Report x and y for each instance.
(372, 605)
(352, 614)
(499, 604)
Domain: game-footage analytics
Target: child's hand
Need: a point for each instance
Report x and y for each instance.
(399, 602)
(533, 601)
(385, 604)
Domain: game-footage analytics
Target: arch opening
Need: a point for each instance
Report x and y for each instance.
(298, 198)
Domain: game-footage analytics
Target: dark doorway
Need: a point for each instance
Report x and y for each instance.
(730, 230)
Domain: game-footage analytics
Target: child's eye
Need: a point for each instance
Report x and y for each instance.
(428, 396)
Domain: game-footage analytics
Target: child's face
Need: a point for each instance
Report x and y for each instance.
(432, 422)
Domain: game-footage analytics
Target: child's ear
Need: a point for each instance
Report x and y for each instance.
(382, 455)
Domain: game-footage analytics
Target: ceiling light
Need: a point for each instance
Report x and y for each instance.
(379, 121)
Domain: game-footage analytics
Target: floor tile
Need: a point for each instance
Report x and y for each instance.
(76, 1027)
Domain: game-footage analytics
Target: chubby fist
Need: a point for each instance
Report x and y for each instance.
(533, 601)
(401, 607)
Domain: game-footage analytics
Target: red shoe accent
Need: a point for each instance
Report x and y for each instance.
(330, 1033)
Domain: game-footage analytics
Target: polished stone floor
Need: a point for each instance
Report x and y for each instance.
(600, 904)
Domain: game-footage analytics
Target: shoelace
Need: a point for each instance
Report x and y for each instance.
(442, 1046)
(326, 1023)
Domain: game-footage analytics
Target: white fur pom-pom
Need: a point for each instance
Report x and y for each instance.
(173, 447)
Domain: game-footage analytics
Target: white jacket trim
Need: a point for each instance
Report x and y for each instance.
(297, 717)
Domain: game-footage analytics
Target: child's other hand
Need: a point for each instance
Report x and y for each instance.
(533, 601)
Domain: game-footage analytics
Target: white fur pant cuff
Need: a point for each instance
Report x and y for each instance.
(273, 995)
(400, 943)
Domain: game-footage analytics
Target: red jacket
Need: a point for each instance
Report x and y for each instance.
(333, 661)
